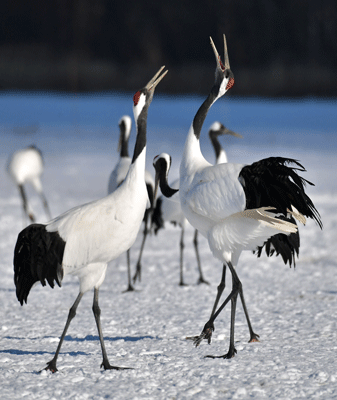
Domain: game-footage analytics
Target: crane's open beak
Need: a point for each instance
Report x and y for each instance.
(222, 67)
(154, 81)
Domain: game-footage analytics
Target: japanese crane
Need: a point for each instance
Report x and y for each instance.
(168, 209)
(85, 239)
(117, 176)
(24, 166)
(237, 207)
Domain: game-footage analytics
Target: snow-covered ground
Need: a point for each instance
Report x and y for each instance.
(293, 310)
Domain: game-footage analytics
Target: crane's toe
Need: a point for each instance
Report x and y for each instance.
(205, 334)
(106, 365)
(51, 366)
(254, 337)
(231, 353)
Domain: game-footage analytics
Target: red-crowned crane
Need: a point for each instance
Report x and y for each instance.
(169, 209)
(237, 207)
(85, 239)
(117, 176)
(24, 166)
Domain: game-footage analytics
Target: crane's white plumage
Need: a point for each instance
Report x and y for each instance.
(169, 209)
(117, 176)
(235, 206)
(26, 166)
(83, 240)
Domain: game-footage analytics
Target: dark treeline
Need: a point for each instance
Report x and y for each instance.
(285, 48)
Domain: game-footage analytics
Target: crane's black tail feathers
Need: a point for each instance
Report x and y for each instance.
(288, 246)
(157, 221)
(271, 182)
(38, 256)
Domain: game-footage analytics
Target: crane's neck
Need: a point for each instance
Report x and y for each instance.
(124, 152)
(192, 157)
(166, 190)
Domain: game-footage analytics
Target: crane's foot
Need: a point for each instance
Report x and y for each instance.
(106, 365)
(254, 337)
(231, 353)
(51, 366)
(202, 280)
(182, 283)
(129, 289)
(206, 334)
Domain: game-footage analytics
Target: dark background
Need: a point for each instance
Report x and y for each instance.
(276, 48)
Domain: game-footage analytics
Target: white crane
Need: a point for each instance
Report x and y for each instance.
(168, 209)
(236, 207)
(83, 240)
(24, 166)
(117, 176)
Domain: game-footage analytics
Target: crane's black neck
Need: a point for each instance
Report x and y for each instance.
(201, 114)
(141, 134)
(216, 144)
(166, 190)
(124, 151)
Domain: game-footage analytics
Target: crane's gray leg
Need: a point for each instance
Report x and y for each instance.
(97, 313)
(45, 205)
(29, 213)
(182, 246)
(209, 326)
(138, 273)
(253, 336)
(195, 243)
(130, 287)
(51, 365)
(236, 288)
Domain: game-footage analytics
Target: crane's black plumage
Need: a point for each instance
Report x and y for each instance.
(271, 182)
(38, 256)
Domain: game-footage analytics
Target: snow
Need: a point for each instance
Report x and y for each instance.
(293, 310)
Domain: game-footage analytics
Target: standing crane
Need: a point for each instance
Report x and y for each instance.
(24, 166)
(117, 176)
(83, 240)
(169, 209)
(237, 207)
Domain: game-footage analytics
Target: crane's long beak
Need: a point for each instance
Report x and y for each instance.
(154, 81)
(219, 63)
(232, 133)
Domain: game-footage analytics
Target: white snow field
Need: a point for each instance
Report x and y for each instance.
(293, 310)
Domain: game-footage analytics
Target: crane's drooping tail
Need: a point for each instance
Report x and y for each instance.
(38, 256)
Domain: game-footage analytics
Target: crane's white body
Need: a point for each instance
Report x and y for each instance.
(26, 165)
(100, 231)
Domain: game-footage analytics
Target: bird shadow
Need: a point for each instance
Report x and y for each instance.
(111, 339)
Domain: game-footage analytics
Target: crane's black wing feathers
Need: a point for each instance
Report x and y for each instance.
(38, 256)
(273, 182)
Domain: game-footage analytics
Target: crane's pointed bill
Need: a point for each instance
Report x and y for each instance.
(226, 53)
(219, 64)
(232, 133)
(154, 81)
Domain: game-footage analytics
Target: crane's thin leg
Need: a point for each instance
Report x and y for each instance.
(130, 287)
(253, 336)
(138, 273)
(51, 365)
(209, 326)
(97, 313)
(195, 243)
(29, 213)
(236, 288)
(182, 246)
(45, 205)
